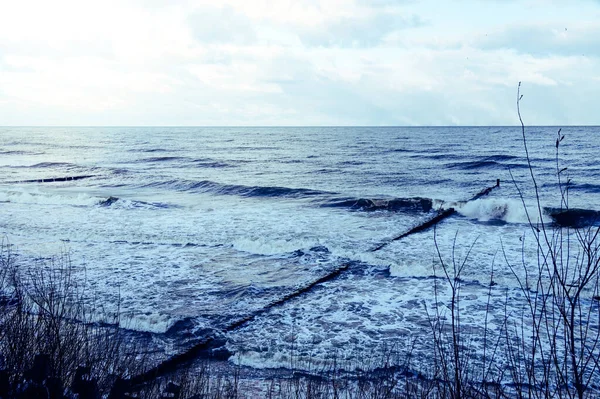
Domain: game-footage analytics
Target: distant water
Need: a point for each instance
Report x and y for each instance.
(215, 223)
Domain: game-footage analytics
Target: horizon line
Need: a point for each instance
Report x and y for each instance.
(286, 126)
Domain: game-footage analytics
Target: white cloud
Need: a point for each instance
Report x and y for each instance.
(260, 62)
(233, 78)
(545, 39)
(360, 31)
(79, 83)
(221, 25)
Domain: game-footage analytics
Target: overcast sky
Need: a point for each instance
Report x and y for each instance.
(285, 62)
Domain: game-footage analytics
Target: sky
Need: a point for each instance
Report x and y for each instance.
(303, 62)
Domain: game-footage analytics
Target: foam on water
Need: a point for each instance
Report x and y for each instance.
(178, 261)
(496, 209)
(350, 318)
(34, 195)
(216, 223)
(367, 312)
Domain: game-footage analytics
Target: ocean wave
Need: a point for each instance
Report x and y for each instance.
(416, 204)
(350, 163)
(468, 165)
(53, 164)
(588, 187)
(260, 191)
(19, 152)
(149, 150)
(53, 179)
(493, 210)
(208, 163)
(443, 157)
(501, 157)
(36, 197)
(512, 211)
(200, 162)
(75, 199)
(328, 170)
(207, 186)
(161, 159)
(132, 204)
(491, 162)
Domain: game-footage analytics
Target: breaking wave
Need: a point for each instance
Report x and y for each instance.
(72, 199)
(132, 204)
(32, 197)
(512, 211)
(493, 209)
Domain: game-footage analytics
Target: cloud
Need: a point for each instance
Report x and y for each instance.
(233, 77)
(310, 62)
(78, 83)
(385, 3)
(361, 30)
(545, 39)
(310, 24)
(221, 25)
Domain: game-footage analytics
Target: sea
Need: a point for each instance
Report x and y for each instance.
(195, 228)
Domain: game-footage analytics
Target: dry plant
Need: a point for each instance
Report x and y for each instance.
(551, 347)
(56, 343)
(553, 350)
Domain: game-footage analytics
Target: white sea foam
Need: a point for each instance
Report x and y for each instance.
(501, 209)
(241, 255)
(36, 196)
(150, 322)
(351, 320)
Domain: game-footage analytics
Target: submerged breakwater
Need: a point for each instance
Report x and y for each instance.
(222, 226)
(207, 343)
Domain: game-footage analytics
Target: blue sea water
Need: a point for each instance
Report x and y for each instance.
(215, 223)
